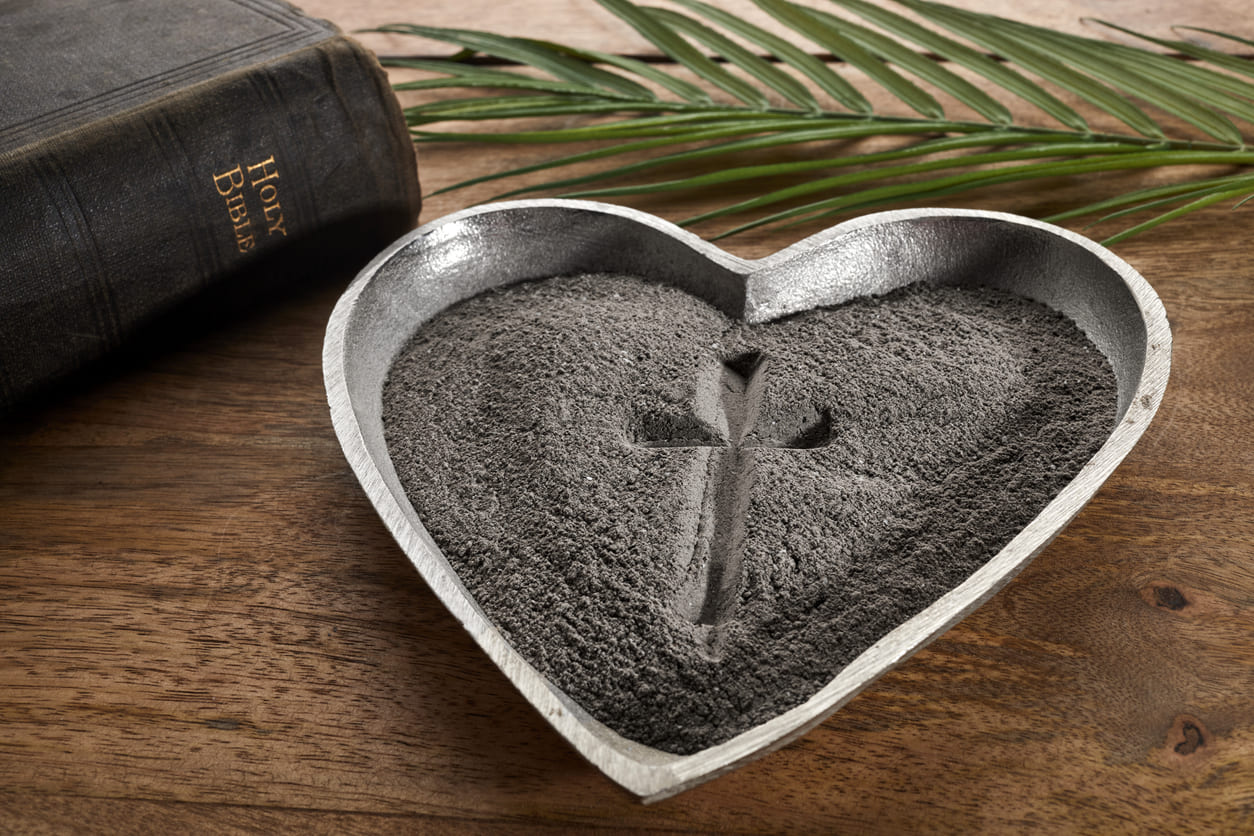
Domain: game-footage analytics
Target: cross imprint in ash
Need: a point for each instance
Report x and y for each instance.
(727, 425)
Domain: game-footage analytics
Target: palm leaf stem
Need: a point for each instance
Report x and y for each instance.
(951, 184)
(938, 145)
(716, 178)
(678, 113)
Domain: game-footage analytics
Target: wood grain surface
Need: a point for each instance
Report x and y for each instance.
(205, 628)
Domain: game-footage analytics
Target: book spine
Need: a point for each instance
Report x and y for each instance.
(256, 177)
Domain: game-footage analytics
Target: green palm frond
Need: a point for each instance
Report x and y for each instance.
(740, 96)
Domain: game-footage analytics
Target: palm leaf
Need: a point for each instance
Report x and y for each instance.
(1224, 35)
(530, 53)
(686, 90)
(1030, 49)
(803, 62)
(951, 50)
(1213, 79)
(470, 75)
(925, 68)
(646, 130)
(764, 71)
(822, 32)
(1145, 78)
(679, 50)
(1179, 212)
(1148, 197)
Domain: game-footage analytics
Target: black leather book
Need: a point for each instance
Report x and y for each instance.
(154, 151)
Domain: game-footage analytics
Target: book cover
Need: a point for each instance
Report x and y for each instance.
(153, 152)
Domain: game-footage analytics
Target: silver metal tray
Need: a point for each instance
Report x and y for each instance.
(458, 256)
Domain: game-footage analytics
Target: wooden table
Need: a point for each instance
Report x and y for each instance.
(205, 627)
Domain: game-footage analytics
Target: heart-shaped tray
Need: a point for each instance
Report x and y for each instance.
(454, 258)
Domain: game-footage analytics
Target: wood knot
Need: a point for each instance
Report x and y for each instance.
(1164, 596)
(1170, 598)
(1187, 735)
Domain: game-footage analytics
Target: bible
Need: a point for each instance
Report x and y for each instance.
(154, 153)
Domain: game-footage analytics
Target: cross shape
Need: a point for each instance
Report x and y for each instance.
(727, 411)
